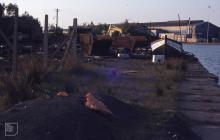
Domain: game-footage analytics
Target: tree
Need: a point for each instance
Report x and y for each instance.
(126, 26)
(52, 28)
(26, 15)
(2, 9)
(101, 28)
(10, 9)
(55, 34)
(91, 25)
(85, 24)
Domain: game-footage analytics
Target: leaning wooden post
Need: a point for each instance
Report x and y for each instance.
(45, 49)
(71, 46)
(14, 48)
(75, 39)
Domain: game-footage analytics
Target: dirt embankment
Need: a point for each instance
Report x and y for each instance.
(140, 95)
(67, 118)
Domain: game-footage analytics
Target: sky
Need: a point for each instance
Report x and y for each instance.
(116, 11)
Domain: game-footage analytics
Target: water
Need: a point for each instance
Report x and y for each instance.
(208, 55)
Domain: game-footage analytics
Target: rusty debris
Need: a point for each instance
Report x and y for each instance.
(63, 94)
(91, 102)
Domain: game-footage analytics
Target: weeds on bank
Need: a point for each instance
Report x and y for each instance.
(4, 103)
(32, 80)
(25, 83)
(167, 79)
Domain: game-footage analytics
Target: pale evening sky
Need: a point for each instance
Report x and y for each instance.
(116, 11)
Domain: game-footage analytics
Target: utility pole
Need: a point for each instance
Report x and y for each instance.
(189, 26)
(208, 26)
(180, 28)
(75, 38)
(45, 57)
(57, 17)
(189, 34)
(15, 40)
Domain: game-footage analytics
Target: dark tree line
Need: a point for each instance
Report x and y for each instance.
(29, 28)
(127, 28)
(7, 10)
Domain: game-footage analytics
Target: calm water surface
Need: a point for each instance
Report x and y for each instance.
(208, 55)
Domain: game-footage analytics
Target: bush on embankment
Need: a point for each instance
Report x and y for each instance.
(24, 84)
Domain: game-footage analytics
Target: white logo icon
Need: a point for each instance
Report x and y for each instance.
(11, 129)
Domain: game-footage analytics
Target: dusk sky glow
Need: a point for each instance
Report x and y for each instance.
(116, 11)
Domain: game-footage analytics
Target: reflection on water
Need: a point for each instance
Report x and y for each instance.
(208, 55)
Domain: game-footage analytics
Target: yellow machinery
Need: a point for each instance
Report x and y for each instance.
(113, 29)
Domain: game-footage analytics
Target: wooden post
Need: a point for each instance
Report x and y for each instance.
(165, 49)
(45, 58)
(14, 48)
(74, 39)
(71, 46)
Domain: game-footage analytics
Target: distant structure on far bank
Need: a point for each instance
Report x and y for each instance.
(186, 30)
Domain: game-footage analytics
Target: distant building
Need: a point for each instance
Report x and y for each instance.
(186, 30)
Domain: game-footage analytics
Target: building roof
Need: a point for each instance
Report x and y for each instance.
(206, 23)
(174, 23)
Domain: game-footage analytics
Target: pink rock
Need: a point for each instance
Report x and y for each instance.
(63, 94)
(94, 104)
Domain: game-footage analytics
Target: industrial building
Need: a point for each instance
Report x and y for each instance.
(186, 30)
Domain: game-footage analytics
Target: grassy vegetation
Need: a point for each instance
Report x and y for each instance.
(25, 84)
(166, 85)
(32, 81)
(153, 86)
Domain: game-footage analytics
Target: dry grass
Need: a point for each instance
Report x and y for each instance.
(69, 60)
(4, 103)
(25, 83)
(176, 64)
(166, 85)
(154, 86)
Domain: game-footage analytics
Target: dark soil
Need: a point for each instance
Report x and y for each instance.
(66, 118)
